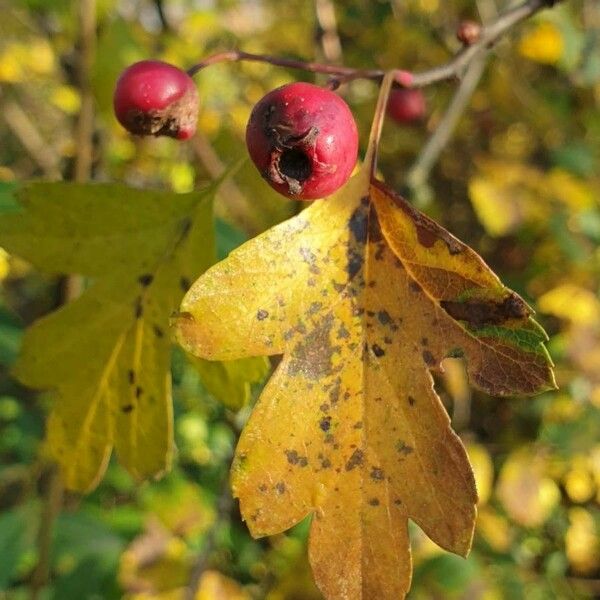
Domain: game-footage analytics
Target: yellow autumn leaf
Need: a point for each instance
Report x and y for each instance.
(506, 194)
(363, 296)
(543, 43)
(527, 493)
(230, 381)
(215, 586)
(582, 541)
(106, 355)
(572, 302)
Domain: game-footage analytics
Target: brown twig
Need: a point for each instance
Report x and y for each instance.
(50, 510)
(25, 130)
(450, 70)
(327, 33)
(419, 172)
(85, 123)
(71, 285)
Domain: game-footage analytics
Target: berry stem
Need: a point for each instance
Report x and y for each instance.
(454, 68)
(377, 126)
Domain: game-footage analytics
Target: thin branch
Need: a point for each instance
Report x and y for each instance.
(327, 31)
(202, 561)
(85, 124)
(450, 70)
(419, 172)
(160, 9)
(50, 510)
(25, 130)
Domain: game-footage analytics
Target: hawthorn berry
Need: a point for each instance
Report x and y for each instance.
(406, 105)
(468, 32)
(156, 98)
(303, 140)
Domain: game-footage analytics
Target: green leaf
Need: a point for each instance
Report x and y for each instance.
(107, 354)
(230, 381)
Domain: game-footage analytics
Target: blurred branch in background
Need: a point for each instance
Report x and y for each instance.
(72, 285)
(327, 33)
(22, 126)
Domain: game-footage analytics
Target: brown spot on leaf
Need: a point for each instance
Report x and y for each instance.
(184, 284)
(146, 279)
(158, 332)
(138, 391)
(325, 423)
(403, 448)
(127, 408)
(377, 474)
(280, 487)
(478, 313)
(411, 401)
(378, 351)
(131, 376)
(428, 358)
(374, 502)
(312, 355)
(295, 459)
(262, 314)
(355, 460)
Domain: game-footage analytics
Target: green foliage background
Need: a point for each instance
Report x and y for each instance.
(519, 182)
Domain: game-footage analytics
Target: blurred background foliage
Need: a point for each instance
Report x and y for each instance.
(519, 182)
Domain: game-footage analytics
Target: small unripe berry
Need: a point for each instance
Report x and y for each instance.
(156, 98)
(468, 32)
(406, 105)
(303, 140)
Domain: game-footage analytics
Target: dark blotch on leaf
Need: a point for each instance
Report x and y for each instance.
(384, 317)
(411, 401)
(184, 284)
(428, 358)
(358, 224)
(262, 314)
(138, 391)
(295, 459)
(131, 376)
(325, 423)
(403, 448)
(378, 351)
(146, 279)
(280, 487)
(127, 408)
(355, 460)
(377, 474)
(158, 332)
(374, 502)
(478, 313)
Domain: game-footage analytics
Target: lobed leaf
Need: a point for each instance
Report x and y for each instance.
(106, 355)
(363, 296)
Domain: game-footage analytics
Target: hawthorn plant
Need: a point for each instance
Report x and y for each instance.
(362, 296)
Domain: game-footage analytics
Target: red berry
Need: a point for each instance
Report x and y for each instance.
(406, 105)
(468, 32)
(303, 140)
(156, 98)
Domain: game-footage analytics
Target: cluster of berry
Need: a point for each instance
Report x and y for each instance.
(301, 137)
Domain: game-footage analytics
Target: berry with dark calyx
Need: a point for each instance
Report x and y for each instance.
(468, 32)
(406, 105)
(156, 98)
(303, 140)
